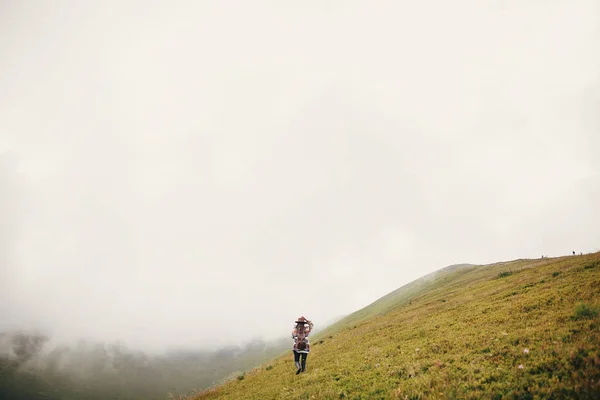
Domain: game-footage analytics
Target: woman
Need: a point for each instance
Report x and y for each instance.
(301, 345)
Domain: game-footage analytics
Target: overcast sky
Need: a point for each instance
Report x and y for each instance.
(171, 171)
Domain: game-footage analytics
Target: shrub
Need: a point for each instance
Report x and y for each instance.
(583, 311)
(592, 265)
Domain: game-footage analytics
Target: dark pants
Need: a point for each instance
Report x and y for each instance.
(297, 360)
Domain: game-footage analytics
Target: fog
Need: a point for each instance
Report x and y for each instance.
(195, 173)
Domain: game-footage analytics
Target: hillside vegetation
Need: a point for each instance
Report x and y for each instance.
(524, 329)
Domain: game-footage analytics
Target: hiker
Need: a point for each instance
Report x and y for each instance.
(301, 347)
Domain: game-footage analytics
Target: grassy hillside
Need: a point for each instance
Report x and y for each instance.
(516, 330)
(398, 297)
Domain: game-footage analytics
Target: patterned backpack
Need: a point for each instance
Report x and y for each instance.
(300, 336)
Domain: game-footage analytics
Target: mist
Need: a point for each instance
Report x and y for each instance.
(197, 174)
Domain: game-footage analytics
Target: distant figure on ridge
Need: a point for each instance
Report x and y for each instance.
(301, 347)
(573, 252)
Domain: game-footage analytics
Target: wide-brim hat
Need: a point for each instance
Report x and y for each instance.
(301, 320)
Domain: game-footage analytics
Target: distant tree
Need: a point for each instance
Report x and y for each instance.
(112, 371)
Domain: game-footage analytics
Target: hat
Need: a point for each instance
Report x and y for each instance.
(301, 320)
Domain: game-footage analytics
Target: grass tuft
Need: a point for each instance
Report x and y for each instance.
(504, 274)
(583, 311)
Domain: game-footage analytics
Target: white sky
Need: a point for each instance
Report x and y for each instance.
(171, 171)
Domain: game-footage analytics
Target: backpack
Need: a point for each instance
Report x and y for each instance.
(300, 337)
(301, 344)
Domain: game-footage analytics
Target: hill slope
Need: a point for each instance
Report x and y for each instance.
(521, 329)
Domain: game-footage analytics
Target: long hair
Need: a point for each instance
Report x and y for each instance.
(300, 330)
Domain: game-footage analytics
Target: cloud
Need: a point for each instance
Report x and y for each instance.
(184, 171)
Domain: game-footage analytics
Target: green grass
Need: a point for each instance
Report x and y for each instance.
(463, 333)
(583, 311)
